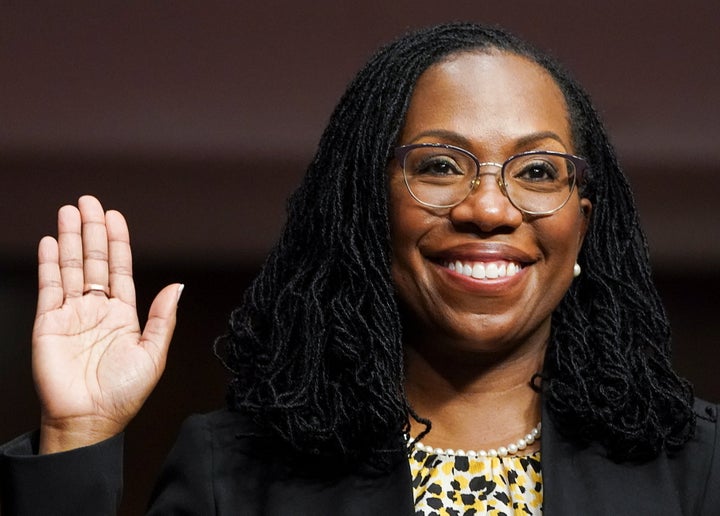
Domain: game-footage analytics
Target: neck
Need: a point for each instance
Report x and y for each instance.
(475, 400)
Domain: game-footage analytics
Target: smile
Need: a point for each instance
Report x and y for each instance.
(484, 270)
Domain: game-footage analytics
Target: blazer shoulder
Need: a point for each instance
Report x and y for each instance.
(705, 443)
(704, 449)
(706, 411)
(204, 465)
(226, 430)
(221, 422)
(682, 481)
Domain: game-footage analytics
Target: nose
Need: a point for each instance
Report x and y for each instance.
(487, 207)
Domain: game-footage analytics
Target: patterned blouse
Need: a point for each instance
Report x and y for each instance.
(447, 485)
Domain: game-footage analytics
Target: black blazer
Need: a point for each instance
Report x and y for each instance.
(219, 466)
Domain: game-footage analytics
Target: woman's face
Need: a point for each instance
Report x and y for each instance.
(494, 105)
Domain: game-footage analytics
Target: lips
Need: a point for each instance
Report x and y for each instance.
(483, 261)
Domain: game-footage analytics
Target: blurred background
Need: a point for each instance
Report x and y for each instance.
(197, 119)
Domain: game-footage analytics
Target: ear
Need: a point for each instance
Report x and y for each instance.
(585, 210)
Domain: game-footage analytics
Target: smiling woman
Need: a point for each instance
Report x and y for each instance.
(459, 318)
(497, 105)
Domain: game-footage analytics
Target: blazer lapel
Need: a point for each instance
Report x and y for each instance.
(582, 480)
(362, 493)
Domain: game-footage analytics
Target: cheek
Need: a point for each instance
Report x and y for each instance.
(561, 237)
(404, 221)
(404, 235)
(409, 225)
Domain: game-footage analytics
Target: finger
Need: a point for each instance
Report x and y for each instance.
(70, 251)
(119, 257)
(161, 324)
(50, 287)
(94, 241)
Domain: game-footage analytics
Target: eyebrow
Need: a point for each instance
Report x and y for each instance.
(451, 136)
(542, 135)
(461, 141)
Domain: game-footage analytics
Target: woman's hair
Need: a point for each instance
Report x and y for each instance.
(316, 349)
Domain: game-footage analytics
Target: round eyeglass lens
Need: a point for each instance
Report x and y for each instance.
(539, 182)
(439, 176)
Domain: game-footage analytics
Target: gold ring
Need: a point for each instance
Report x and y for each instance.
(96, 287)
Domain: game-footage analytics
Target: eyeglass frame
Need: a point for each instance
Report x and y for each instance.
(578, 162)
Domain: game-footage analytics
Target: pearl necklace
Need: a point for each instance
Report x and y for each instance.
(503, 451)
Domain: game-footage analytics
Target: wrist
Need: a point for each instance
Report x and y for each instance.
(70, 434)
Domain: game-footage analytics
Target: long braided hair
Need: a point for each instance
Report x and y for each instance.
(315, 348)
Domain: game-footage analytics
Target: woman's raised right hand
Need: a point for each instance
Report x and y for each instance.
(93, 366)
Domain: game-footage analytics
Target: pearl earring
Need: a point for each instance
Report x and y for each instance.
(576, 270)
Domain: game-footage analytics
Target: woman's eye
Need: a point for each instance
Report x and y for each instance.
(438, 166)
(537, 172)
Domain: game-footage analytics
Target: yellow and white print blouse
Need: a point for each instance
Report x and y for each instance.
(449, 485)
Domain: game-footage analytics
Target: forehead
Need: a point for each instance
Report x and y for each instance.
(488, 97)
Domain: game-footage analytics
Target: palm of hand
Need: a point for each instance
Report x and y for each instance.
(88, 361)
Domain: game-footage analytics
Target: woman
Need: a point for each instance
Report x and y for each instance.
(462, 261)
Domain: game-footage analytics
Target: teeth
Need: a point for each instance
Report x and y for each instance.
(491, 271)
(480, 270)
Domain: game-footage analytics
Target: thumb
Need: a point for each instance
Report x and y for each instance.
(161, 324)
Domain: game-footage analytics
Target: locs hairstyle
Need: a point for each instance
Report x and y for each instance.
(315, 348)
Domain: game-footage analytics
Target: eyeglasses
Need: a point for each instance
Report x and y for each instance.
(442, 176)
